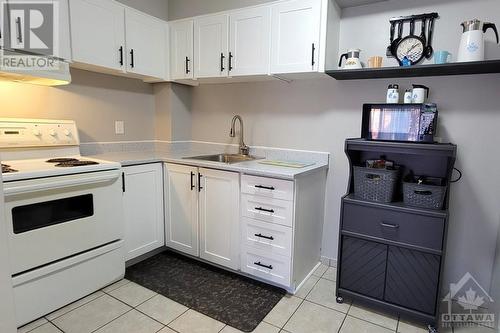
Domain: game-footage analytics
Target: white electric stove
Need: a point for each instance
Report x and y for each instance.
(63, 214)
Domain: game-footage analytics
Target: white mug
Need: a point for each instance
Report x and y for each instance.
(419, 94)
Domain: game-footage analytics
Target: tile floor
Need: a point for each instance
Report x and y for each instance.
(125, 307)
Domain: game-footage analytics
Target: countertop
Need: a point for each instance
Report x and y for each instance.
(249, 167)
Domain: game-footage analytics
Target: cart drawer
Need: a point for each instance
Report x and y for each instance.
(408, 228)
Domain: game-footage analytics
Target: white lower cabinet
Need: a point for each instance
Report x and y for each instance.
(202, 213)
(143, 209)
(282, 225)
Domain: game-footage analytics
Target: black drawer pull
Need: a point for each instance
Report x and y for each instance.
(266, 237)
(270, 188)
(199, 182)
(265, 210)
(389, 225)
(422, 192)
(192, 181)
(258, 263)
(121, 55)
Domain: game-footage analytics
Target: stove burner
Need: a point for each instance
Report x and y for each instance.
(62, 160)
(7, 169)
(75, 163)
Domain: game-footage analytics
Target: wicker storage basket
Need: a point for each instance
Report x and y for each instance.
(375, 184)
(424, 196)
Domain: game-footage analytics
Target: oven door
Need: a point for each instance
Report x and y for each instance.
(49, 219)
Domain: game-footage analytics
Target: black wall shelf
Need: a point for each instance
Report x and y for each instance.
(457, 68)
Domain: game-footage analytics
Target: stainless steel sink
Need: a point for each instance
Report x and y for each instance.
(225, 158)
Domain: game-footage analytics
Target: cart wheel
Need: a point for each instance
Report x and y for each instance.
(432, 329)
(340, 299)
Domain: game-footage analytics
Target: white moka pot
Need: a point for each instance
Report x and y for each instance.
(352, 59)
(472, 41)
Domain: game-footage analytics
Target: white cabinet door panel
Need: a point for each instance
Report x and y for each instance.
(143, 209)
(295, 29)
(250, 37)
(146, 44)
(97, 33)
(219, 217)
(181, 50)
(211, 46)
(181, 200)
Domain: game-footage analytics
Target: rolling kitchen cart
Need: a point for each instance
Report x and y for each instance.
(391, 256)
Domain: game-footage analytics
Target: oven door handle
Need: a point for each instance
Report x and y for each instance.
(16, 188)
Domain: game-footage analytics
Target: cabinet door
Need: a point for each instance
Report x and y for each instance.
(250, 37)
(219, 217)
(146, 44)
(295, 36)
(210, 46)
(362, 267)
(412, 279)
(143, 207)
(98, 33)
(181, 201)
(181, 50)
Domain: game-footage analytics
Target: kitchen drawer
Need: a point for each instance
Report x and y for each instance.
(407, 228)
(267, 187)
(271, 238)
(269, 267)
(267, 209)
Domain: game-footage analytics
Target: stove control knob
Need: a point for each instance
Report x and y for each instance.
(52, 132)
(66, 132)
(36, 132)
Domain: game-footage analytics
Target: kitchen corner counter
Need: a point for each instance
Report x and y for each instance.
(248, 167)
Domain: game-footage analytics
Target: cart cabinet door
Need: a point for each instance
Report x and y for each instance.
(412, 279)
(363, 266)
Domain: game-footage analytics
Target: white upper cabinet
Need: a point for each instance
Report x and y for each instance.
(98, 33)
(249, 41)
(219, 217)
(181, 50)
(211, 46)
(146, 44)
(296, 28)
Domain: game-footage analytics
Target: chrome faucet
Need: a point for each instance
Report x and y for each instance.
(244, 149)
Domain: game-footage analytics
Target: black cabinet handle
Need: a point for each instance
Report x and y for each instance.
(258, 263)
(192, 181)
(271, 188)
(265, 210)
(265, 237)
(222, 57)
(199, 182)
(121, 55)
(132, 63)
(389, 225)
(123, 182)
(313, 51)
(187, 65)
(422, 192)
(19, 30)
(230, 61)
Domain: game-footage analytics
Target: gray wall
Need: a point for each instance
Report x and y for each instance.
(158, 8)
(186, 8)
(321, 114)
(94, 100)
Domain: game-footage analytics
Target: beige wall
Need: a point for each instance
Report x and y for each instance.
(94, 100)
(158, 8)
(173, 112)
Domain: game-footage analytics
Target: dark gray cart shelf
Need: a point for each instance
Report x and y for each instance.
(391, 256)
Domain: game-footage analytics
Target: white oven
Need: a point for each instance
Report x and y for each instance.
(52, 218)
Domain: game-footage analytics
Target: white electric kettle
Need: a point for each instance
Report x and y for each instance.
(352, 61)
(472, 42)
